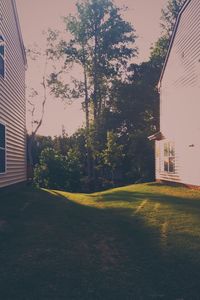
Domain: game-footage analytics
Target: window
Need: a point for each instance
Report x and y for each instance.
(169, 157)
(2, 148)
(2, 56)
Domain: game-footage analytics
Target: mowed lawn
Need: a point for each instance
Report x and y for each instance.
(136, 242)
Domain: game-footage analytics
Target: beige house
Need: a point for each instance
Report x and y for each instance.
(12, 97)
(178, 142)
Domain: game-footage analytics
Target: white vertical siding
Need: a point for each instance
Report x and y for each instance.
(180, 97)
(12, 98)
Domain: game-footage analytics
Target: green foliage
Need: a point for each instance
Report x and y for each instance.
(112, 155)
(113, 152)
(99, 27)
(159, 52)
(101, 44)
(139, 161)
(56, 171)
(168, 20)
(38, 144)
(121, 112)
(170, 14)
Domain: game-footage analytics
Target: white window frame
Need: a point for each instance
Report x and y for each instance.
(1, 148)
(169, 157)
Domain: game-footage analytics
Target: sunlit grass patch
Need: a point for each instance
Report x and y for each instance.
(172, 211)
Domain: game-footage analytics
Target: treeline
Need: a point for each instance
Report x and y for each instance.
(121, 102)
(123, 156)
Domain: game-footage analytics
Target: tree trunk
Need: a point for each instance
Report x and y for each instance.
(87, 117)
(30, 157)
(95, 98)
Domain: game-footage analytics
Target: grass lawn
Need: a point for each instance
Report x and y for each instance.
(136, 242)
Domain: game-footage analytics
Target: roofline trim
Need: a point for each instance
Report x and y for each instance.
(172, 40)
(19, 31)
(158, 136)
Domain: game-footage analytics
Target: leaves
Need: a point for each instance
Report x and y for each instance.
(101, 43)
(170, 14)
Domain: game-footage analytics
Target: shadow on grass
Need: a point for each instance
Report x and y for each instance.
(59, 249)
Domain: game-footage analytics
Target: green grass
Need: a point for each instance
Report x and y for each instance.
(136, 242)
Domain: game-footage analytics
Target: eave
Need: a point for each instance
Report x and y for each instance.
(158, 136)
(19, 32)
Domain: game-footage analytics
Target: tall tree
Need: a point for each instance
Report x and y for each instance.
(37, 98)
(113, 154)
(101, 44)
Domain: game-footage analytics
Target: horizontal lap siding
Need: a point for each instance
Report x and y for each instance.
(183, 66)
(12, 99)
(180, 98)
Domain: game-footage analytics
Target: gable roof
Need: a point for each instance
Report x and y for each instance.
(19, 32)
(172, 40)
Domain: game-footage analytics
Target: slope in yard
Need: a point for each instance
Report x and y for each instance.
(137, 242)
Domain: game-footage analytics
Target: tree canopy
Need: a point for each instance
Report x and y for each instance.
(120, 100)
(101, 44)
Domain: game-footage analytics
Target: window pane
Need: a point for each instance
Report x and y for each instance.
(2, 136)
(171, 150)
(2, 161)
(166, 164)
(171, 164)
(1, 66)
(166, 149)
(2, 50)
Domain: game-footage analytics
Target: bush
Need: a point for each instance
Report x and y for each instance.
(56, 171)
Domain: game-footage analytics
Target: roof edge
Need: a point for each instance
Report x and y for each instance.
(19, 32)
(158, 136)
(172, 40)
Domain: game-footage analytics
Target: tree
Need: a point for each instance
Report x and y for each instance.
(168, 20)
(135, 116)
(150, 71)
(113, 154)
(169, 15)
(37, 98)
(101, 44)
(135, 103)
(57, 171)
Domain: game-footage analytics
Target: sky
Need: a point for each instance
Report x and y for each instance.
(39, 15)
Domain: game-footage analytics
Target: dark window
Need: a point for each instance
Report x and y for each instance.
(2, 56)
(169, 157)
(2, 148)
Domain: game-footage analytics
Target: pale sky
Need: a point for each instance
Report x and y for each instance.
(38, 15)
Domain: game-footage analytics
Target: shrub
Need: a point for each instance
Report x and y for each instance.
(56, 171)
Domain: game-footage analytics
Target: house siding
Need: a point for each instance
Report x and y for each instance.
(184, 55)
(12, 98)
(180, 99)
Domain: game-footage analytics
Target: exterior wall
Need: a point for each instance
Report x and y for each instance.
(180, 99)
(187, 166)
(12, 98)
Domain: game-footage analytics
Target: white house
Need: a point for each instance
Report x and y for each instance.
(178, 142)
(12, 97)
